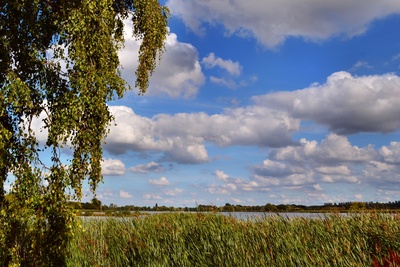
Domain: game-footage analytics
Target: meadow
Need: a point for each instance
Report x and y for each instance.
(207, 239)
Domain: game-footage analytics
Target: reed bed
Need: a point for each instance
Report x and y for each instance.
(182, 239)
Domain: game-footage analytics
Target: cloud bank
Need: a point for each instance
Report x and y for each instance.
(346, 104)
(271, 22)
(334, 160)
(182, 137)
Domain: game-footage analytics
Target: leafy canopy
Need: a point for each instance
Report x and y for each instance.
(59, 60)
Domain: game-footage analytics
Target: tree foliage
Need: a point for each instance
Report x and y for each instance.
(59, 60)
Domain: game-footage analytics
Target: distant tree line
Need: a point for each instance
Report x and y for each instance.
(96, 205)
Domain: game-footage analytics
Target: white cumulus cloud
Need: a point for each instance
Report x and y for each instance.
(211, 61)
(124, 194)
(160, 182)
(112, 167)
(173, 192)
(178, 74)
(148, 167)
(221, 176)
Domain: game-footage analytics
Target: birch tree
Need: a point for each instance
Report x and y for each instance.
(59, 60)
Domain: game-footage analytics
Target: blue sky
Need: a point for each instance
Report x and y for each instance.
(259, 102)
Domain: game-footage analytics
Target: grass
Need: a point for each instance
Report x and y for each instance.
(182, 239)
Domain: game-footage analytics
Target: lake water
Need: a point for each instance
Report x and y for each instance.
(247, 215)
(289, 215)
(260, 215)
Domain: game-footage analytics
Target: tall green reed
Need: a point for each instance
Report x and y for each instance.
(182, 239)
